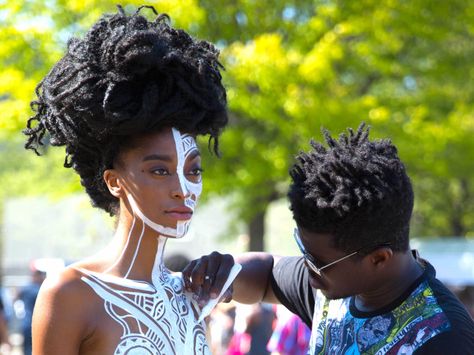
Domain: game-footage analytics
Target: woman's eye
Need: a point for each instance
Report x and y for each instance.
(160, 171)
(195, 172)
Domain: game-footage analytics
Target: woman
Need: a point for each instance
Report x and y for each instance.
(127, 102)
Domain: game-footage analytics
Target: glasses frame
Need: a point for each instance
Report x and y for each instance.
(311, 261)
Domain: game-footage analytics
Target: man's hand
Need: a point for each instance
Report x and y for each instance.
(206, 276)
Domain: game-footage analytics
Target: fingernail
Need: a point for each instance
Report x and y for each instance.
(213, 295)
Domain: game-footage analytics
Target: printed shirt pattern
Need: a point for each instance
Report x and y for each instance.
(401, 331)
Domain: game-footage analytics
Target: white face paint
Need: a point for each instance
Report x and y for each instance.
(185, 145)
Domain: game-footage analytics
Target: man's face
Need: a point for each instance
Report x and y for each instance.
(350, 276)
(162, 176)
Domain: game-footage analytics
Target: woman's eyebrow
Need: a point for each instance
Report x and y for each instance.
(166, 158)
(195, 153)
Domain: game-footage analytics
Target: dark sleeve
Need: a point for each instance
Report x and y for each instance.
(459, 340)
(291, 286)
(450, 342)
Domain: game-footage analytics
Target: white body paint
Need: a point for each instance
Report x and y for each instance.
(157, 317)
(185, 145)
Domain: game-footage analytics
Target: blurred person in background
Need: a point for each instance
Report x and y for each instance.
(290, 336)
(176, 262)
(5, 346)
(221, 327)
(27, 296)
(252, 329)
(357, 284)
(260, 328)
(127, 101)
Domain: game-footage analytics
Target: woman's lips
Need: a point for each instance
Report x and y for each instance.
(180, 214)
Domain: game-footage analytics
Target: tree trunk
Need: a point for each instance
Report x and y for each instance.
(256, 232)
(460, 205)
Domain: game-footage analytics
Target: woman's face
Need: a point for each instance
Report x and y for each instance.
(161, 179)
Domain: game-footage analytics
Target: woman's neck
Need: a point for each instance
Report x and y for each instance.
(136, 251)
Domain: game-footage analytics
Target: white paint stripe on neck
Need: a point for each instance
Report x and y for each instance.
(156, 271)
(136, 251)
(123, 250)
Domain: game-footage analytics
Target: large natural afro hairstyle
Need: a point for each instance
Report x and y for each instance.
(356, 190)
(127, 77)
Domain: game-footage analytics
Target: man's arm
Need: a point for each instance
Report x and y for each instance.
(264, 277)
(252, 284)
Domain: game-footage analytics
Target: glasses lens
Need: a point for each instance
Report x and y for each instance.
(306, 256)
(311, 266)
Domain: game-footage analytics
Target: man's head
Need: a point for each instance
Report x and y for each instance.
(128, 77)
(356, 190)
(350, 200)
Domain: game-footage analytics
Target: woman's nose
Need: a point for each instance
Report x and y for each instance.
(180, 189)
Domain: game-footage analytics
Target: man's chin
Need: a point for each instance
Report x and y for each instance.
(332, 296)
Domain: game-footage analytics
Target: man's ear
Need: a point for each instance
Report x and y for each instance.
(380, 256)
(112, 179)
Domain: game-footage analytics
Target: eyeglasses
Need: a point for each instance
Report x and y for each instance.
(310, 260)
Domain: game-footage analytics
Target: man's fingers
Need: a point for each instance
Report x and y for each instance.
(226, 264)
(187, 274)
(213, 265)
(205, 277)
(196, 275)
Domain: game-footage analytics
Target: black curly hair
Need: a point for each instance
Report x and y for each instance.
(356, 190)
(127, 77)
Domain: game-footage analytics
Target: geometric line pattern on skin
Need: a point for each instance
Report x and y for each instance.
(185, 145)
(113, 297)
(158, 310)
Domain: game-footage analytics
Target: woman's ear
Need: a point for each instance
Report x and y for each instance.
(112, 179)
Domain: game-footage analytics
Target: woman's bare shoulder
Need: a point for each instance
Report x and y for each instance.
(64, 284)
(65, 313)
(65, 295)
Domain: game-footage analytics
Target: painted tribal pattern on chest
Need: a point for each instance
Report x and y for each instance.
(156, 319)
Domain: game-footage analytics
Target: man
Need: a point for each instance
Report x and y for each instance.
(358, 284)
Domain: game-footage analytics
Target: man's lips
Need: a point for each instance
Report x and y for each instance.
(180, 213)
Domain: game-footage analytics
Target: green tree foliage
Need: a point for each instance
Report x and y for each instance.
(292, 67)
(402, 67)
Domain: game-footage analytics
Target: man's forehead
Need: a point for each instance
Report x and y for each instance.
(319, 243)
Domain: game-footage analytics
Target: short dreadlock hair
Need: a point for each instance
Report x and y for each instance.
(356, 190)
(128, 76)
